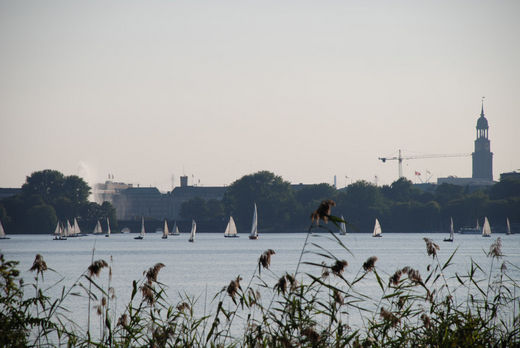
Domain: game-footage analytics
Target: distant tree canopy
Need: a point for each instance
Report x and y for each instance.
(400, 207)
(48, 197)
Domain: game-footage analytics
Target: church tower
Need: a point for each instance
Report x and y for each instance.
(482, 157)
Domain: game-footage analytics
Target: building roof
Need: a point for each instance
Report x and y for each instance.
(482, 122)
(141, 191)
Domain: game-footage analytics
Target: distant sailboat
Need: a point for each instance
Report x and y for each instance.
(231, 229)
(59, 233)
(77, 231)
(377, 229)
(143, 232)
(69, 232)
(193, 231)
(342, 227)
(451, 232)
(108, 228)
(486, 229)
(508, 226)
(175, 230)
(165, 230)
(2, 232)
(98, 229)
(254, 226)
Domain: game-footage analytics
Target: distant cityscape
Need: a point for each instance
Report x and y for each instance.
(131, 203)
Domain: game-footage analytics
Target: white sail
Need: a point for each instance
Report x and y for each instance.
(342, 227)
(254, 225)
(175, 230)
(2, 231)
(143, 231)
(377, 229)
(165, 230)
(451, 229)
(98, 228)
(108, 228)
(57, 230)
(231, 228)
(193, 231)
(76, 227)
(68, 230)
(508, 226)
(486, 229)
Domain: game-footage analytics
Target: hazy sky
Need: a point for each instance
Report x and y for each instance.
(219, 89)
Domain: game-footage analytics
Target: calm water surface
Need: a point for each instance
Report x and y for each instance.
(206, 266)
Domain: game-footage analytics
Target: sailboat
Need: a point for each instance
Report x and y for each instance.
(377, 229)
(2, 232)
(231, 229)
(193, 231)
(59, 233)
(108, 228)
(69, 232)
(98, 229)
(175, 230)
(508, 226)
(76, 229)
(451, 232)
(143, 232)
(486, 229)
(342, 227)
(165, 231)
(254, 226)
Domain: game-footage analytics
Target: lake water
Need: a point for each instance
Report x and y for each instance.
(206, 266)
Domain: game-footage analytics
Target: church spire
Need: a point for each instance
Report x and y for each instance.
(482, 110)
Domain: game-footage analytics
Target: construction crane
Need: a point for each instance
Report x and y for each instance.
(400, 158)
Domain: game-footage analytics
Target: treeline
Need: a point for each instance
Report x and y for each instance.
(400, 207)
(48, 197)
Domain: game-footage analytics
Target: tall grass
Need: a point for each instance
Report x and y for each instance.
(312, 308)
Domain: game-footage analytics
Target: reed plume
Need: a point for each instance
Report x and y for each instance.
(96, 267)
(431, 247)
(39, 265)
(183, 306)
(495, 250)
(338, 267)
(323, 211)
(153, 272)
(389, 317)
(265, 259)
(233, 287)
(370, 263)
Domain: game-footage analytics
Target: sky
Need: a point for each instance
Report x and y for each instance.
(151, 90)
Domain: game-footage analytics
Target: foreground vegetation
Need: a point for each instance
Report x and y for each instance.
(414, 308)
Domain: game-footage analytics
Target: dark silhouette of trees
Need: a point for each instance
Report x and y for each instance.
(48, 197)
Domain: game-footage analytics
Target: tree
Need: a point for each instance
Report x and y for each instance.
(40, 219)
(75, 189)
(46, 183)
(273, 196)
(362, 202)
(505, 189)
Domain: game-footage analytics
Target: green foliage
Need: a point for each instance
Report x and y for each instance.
(14, 324)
